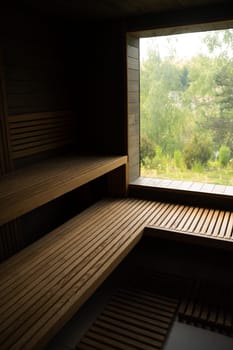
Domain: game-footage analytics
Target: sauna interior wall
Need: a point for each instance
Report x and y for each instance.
(51, 65)
(34, 79)
(99, 86)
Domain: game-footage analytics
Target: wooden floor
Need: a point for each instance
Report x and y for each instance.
(133, 319)
(199, 187)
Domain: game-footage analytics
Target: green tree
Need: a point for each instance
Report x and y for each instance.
(224, 155)
(147, 149)
(162, 114)
(220, 46)
(198, 150)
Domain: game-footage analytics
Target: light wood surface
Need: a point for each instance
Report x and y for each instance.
(33, 186)
(43, 286)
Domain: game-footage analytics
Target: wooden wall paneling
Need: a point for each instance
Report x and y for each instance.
(5, 151)
(11, 240)
(100, 88)
(9, 233)
(117, 181)
(133, 77)
(36, 78)
(38, 132)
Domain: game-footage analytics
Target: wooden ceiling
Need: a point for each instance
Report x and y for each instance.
(116, 9)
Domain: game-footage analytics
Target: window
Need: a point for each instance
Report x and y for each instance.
(184, 106)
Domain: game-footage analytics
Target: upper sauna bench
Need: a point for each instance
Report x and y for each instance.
(30, 187)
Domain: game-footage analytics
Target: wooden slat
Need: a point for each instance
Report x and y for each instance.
(44, 141)
(35, 128)
(55, 279)
(44, 285)
(39, 116)
(206, 307)
(5, 150)
(132, 319)
(20, 142)
(35, 133)
(40, 132)
(31, 187)
(188, 237)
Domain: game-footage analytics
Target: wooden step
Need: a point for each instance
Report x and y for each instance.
(43, 286)
(33, 186)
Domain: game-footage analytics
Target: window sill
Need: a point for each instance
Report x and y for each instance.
(187, 192)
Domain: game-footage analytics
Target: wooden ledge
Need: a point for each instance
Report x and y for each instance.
(183, 192)
(188, 237)
(33, 186)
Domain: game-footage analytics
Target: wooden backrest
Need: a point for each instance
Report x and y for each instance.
(38, 132)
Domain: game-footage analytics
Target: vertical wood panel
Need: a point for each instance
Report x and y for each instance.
(9, 234)
(6, 164)
(133, 73)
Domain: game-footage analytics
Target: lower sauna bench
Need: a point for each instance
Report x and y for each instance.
(44, 285)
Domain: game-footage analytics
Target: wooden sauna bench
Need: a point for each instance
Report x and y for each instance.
(195, 225)
(33, 186)
(44, 285)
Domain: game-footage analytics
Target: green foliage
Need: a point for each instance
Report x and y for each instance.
(224, 155)
(187, 107)
(159, 162)
(179, 161)
(197, 167)
(198, 150)
(147, 150)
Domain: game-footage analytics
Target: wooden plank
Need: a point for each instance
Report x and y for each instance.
(190, 219)
(153, 341)
(111, 258)
(160, 213)
(206, 224)
(51, 258)
(31, 128)
(188, 237)
(133, 320)
(201, 220)
(44, 247)
(133, 63)
(28, 152)
(195, 220)
(41, 133)
(181, 211)
(5, 149)
(57, 274)
(169, 214)
(220, 231)
(52, 140)
(184, 219)
(38, 132)
(31, 187)
(132, 52)
(229, 229)
(36, 295)
(26, 138)
(213, 222)
(40, 116)
(218, 223)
